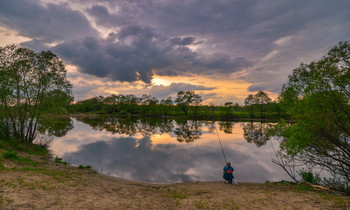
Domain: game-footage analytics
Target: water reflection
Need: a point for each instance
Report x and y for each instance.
(154, 150)
(188, 131)
(255, 132)
(54, 126)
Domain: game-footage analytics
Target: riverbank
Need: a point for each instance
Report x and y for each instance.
(33, 179)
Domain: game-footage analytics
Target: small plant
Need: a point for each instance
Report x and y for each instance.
(82, 167)
(307, 176)
(10, 155)
(59, 160)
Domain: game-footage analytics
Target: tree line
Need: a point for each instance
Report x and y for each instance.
(185, 104)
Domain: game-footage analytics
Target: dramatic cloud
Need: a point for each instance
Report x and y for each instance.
(44, 23)
(136, 40)
(136, 53)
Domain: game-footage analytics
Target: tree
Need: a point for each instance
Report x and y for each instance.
(185, 99)
(249, 101)
(149, 104)
(317, 98)
(28, 83)
(228, 109)
(166, 104)
(262, 98)
(111, 103)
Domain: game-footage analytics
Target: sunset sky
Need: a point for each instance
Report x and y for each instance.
(222, 49)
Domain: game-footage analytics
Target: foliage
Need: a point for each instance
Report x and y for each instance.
(186, 105)
(84, 167)
(261, 99)
(249, 101)
(185, 99)
(10, 145)
(317, 98)
(308, 176)
(11, 154)
(31, 84)
(59, 160)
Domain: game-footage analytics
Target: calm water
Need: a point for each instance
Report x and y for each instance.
(168, 151)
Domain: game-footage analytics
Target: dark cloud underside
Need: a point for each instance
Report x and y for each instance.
(263, 39)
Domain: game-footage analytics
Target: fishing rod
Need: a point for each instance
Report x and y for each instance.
(222, 149)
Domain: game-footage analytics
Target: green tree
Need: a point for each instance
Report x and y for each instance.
(228, 109)
(250, 101)
(29, 81)
(166, 105)
(317, 98)
(111, 103)
(262, 99)
(187, 99)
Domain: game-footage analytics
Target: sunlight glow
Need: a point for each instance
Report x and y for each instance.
(8, 36)
(156, 80)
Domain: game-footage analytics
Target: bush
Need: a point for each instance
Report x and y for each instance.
(59, 160)
(307, 176)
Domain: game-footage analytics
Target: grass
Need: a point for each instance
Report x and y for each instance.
(29, 148)
(177, 194)
(83, 167)
(56, 174)
(14, 157)
(59, 160)
(201, 204)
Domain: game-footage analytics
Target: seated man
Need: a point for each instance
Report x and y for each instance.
(228, 176)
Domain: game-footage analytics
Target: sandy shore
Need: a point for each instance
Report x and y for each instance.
(36, 182)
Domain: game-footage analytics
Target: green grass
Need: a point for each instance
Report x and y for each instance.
(14, 157)
(83, 167)
(56, 174)
(59, 160)
(11, 155)
(10, 145)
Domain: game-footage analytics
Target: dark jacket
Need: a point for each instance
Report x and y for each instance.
(228, 176)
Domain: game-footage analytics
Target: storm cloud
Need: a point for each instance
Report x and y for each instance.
(44, 23)
(137, 53)
(134, 40)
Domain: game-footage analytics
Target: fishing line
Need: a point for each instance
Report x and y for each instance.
(217, 133)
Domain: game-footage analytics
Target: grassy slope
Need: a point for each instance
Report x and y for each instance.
(30, 178)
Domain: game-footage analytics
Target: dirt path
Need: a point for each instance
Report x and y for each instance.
(34, 182)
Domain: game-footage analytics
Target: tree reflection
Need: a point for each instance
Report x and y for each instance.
(226, 126)
(130, 126)
(188, 131)
(53, 126)
(185, 130)
(255, 132)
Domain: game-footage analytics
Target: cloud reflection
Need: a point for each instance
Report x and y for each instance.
(141, 160)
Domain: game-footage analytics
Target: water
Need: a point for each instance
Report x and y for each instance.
(169, 151)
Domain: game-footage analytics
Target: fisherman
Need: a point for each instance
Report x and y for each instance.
(228, 176)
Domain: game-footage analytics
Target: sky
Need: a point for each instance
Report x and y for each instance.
(222, 49)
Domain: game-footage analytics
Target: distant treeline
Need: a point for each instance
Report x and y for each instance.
(187, 104)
